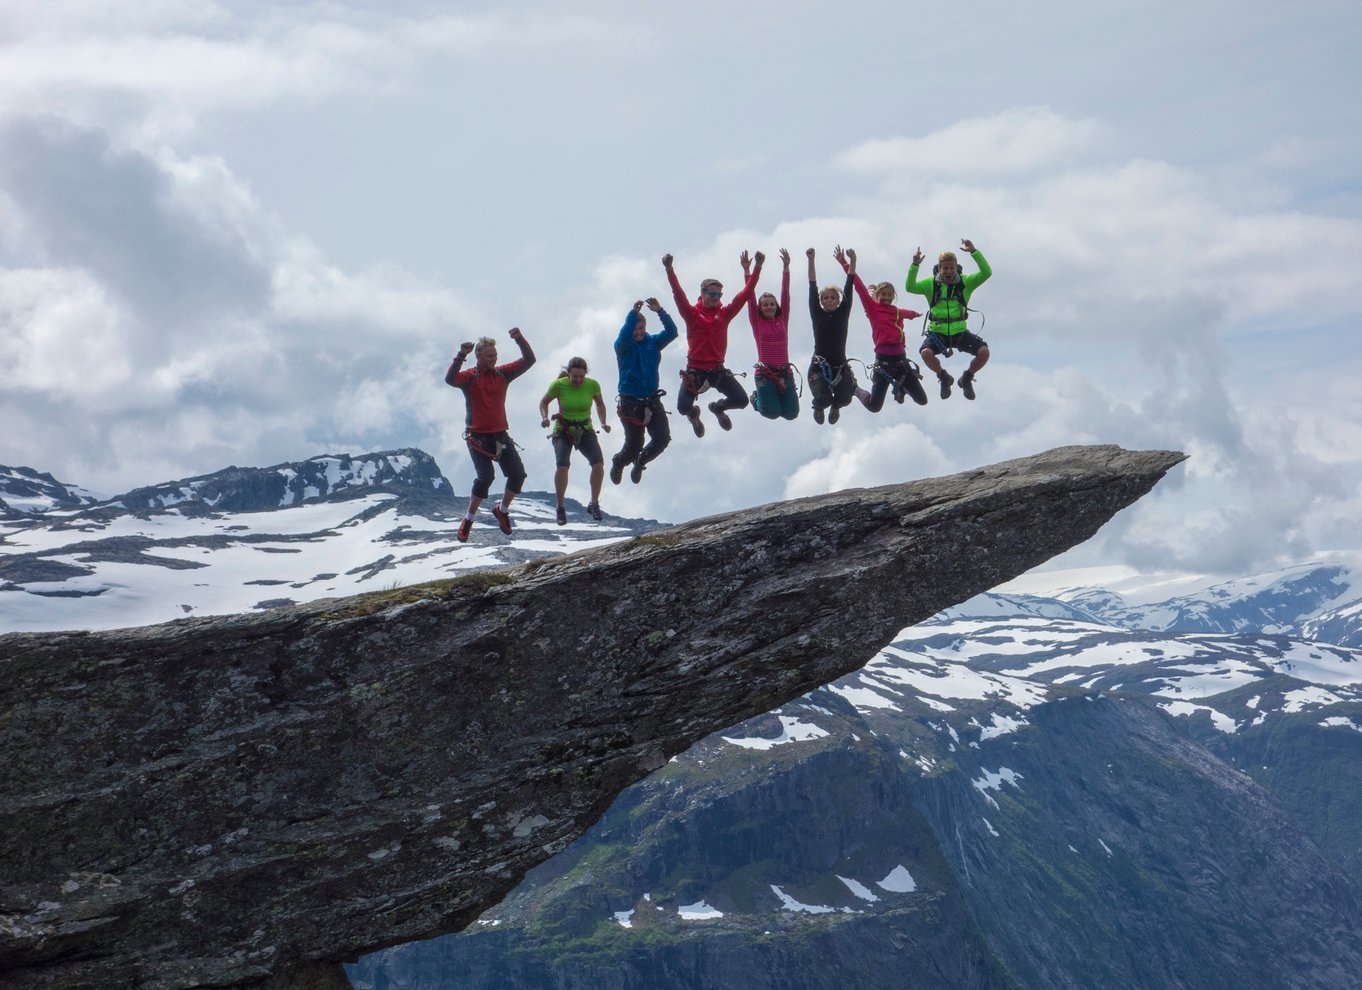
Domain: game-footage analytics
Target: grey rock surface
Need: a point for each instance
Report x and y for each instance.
(224, 802)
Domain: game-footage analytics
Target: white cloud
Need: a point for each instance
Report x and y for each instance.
(1026, 139)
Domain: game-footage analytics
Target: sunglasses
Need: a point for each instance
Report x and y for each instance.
(712, 294)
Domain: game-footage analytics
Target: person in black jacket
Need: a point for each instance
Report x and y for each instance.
(831, 380)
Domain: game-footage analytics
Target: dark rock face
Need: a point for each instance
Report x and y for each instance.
(229, 801)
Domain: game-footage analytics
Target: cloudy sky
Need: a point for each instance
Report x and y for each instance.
(246, 233)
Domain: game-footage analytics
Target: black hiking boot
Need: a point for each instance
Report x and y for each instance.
(695, 423)
(562, 515)
(616, 471)
(947, 381)
(834, 414)
(717, 409)
(818, 415)
(594, 510)
(967, 386)
(636, 472)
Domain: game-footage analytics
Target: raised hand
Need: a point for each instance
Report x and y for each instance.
(638, 306)
(760, 258)
(785, 258)
(840, 255)
(746, 263)
(466, 348)
(515, 333)
(809, 254)
(967, 244)
(667, 261)
(917, 256)
(654, 305)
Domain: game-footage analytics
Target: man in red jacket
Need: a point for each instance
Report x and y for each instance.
(707, 344)
(484, 389)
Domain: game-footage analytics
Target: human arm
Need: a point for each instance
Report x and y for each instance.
(748, 289)
(522, 364)
(745, 260)
(626, 333)
(982, 275)
(452, 374)
(600, 407)
(683, 305)
(668, 333)
(544, 403)
(911, 283)
(785, 284)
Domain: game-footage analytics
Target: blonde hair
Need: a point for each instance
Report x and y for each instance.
(482, 344)
(830, 288)
(947, 256)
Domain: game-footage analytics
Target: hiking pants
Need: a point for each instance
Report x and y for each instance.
(719, 378)
(839, 392)
(775, 402)
(632, 412)
(482, 448)
(895, 366)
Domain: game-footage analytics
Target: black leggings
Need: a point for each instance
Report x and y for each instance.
(894, 366)
(839, 392)
(633, 412)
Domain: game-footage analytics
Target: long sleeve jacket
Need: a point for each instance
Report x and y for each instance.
(886, 322)
(772, 336)
(639, 359)
(707, 326)
(948, 315)
(485, 391)
(830, 329)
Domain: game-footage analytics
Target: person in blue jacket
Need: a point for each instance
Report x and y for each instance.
(640, 409)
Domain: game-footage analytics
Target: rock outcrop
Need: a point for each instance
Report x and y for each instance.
(249, 800)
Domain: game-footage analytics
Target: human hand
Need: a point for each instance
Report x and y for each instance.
(809, 254)
(851, 254)
(917, 256)
(967, 244)
(840, 255)
(654, 305)
(605, 427)
(760, 259)
(638, 306)
(667, 261)
(466, 348)
(785, 258)
(746, 263)
(544, 423)
(515, 333)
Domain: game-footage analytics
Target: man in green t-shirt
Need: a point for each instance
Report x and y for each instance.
(572, 429)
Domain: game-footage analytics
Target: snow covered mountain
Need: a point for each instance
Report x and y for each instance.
(252, 538)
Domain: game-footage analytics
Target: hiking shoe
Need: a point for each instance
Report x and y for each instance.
(967, 386)
(818, 414)
(562, 516)
(946, 382)
(616, 472)
(719, 414)
(752, 398)
(503, 518)
(594, 510)
(636, 473)
(465, 528)
(834, 414)
(695, 423)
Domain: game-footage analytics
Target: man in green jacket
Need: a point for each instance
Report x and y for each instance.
(948, 293)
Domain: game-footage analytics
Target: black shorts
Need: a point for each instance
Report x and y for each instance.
(964, 341)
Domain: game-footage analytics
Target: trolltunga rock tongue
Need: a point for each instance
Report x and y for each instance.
(249, 800)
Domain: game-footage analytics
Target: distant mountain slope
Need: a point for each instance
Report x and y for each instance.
(26, 492)
(252, 538)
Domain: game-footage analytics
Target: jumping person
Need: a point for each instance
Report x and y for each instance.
(707, 345)
(484, 391)
(573, 430)
(948, 293)
(832, 384)
(639, 404)
(891, 366)
(775, 396)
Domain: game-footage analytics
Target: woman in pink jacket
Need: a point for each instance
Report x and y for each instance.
(887, 321)
(775, 396)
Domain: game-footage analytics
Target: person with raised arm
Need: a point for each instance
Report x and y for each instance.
(485, 432)
(832, 383)
(775, 396)
(891, 367)
(948, 293)
(707, 345)
(639, 403)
